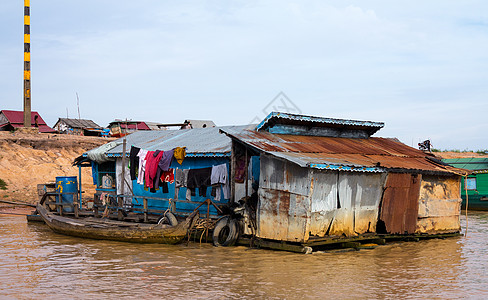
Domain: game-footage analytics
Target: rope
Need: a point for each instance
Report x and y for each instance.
(466, 208)
(7, 213)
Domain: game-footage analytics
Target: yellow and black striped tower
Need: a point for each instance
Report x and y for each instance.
(27, 69)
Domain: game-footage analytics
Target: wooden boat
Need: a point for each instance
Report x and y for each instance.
(105, 229)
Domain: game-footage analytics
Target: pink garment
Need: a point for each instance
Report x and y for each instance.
(152, 167)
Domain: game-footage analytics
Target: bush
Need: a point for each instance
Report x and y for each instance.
(3, 184)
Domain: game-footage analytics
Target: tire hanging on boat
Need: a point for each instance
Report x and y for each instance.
(225, 232)
(168, 218)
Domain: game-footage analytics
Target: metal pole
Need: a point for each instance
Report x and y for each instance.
(79, 183)
(27, 68)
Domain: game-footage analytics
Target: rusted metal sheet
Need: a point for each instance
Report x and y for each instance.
(323, 202)
(272, 173)
(307, 150)
(439, 204)
(370, 190)
(282, 215)
(297, 201)
(359, 195)
(400, 206)
(345, 203)
(284, 204)
(296, 179)
(438, 225)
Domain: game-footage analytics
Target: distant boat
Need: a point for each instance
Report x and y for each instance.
(106, 229)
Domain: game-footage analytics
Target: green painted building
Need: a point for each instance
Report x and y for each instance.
(476, 183)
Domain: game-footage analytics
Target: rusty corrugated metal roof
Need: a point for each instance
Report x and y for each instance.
(373, 154)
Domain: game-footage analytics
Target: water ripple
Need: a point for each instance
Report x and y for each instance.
(36, 263)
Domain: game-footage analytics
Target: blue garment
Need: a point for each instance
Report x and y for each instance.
(94, 172)
(165, 161)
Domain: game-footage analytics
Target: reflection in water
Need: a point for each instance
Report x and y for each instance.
(36, 263)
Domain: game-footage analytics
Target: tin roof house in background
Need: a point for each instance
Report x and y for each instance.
(187, 124)
(197, 124)
(11, 120)
(78, 127)
(120, 128)
(318, 179)
(476, 184)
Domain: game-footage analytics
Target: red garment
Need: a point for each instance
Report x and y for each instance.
(152, 167)
(168, 176)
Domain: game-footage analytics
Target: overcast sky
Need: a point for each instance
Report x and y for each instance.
(419, 66)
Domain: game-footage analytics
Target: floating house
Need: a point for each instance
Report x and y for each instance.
(78, 127)
(476, 184)
(319, 178)
(301, 180)
(11, 120)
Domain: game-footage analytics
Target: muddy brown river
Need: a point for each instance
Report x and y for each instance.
(38, 264)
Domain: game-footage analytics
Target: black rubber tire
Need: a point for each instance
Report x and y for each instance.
(225, 232)
(168, 218)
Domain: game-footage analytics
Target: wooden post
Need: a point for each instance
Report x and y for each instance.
(76, 209)
(144, 201)
(79, 185)
(232, 172)
(122, 188)
(247, 176)
(208, 220)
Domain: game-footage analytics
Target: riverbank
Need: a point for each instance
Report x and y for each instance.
(29, 159)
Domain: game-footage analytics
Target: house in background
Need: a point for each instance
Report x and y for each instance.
(192, 124)
(120, 128)
(476, 184)
(188, 124)
(78, 127)
(12, 119)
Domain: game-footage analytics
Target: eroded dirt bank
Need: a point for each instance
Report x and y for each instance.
(30, 159)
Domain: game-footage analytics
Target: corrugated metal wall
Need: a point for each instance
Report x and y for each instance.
(345, 203)
(284, 206)
(439, 204)
(297, 202)
(399, 209)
